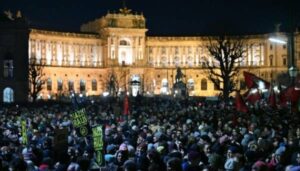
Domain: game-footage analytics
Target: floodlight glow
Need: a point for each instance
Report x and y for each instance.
(80, 95)
(105, 94)
(261, 85)
(275, 40)
(253, 91)
(164, 90)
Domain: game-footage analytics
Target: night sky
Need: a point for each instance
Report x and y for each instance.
(166, 17)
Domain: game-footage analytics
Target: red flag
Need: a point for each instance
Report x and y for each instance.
(290, 94)
(249, 79)
(253, 96)
(252, 81)
(272, 98)
(126, 106)
(240, 104)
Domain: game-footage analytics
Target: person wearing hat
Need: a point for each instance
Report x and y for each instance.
(231, 163)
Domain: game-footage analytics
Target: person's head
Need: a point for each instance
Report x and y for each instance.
(174, 164)
(206, 149)
(129, 165)
(121, 156)
(153, 155)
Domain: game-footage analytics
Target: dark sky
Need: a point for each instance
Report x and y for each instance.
(166, 17)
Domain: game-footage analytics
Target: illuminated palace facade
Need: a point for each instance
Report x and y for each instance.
(117, 44)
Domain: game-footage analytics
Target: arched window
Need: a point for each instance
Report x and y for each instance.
(8, 95)
(82, 85)
(59, 85)
(203, 84)
(49, 84)
(94, 85)
(71, 85)
(164, 86)
(124, 43)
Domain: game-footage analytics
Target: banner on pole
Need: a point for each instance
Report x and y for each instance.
(24, 132)
(98, 143)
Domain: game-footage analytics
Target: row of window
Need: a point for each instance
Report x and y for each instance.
(82, 85)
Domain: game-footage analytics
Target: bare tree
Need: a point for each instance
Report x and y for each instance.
(222, 70)
(114, 81)
(36, 78)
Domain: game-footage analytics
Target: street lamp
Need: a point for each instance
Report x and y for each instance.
(293, 71)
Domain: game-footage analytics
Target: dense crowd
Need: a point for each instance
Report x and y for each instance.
(159, 134)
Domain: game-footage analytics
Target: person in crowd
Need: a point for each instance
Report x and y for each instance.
(160, 133)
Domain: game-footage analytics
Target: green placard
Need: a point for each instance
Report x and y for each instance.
(24, 132)
(98, 143)
(80, 122)
(79, 118)
(98, 138)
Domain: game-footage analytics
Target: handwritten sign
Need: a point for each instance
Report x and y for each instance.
(80, 121)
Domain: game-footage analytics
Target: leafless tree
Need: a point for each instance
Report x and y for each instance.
(115, 80)
(223, 68)
(36, 78)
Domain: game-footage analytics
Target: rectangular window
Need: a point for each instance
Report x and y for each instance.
(8, 67)
(59, 85)
(49, 85)
(284, 61)
(284, 46)
(203, 84)
(271, 47)
(94, 85)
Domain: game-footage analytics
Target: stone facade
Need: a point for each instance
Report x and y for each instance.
(117, 43)
(14, 35)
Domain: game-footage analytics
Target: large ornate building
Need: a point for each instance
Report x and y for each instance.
(117, 44)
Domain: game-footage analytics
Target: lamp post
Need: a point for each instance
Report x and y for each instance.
(293, 73)
(292, 70)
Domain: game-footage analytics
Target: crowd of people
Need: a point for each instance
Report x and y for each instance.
(159, 134)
